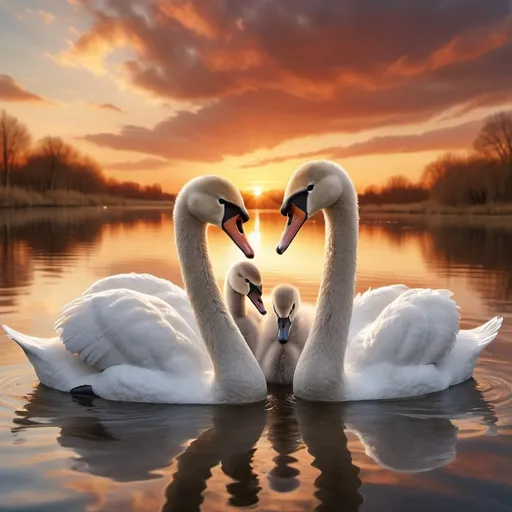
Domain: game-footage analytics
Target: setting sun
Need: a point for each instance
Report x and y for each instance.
(257, 191)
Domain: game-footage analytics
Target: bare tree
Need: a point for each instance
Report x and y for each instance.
(15, 140)
(55, 157)
(435, 170)
(495, 138)
(398, 182)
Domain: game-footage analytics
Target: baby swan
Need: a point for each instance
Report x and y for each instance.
(244, 279)
(283, 335)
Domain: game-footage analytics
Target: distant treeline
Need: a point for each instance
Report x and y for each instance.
(52, 164)
(480, 177)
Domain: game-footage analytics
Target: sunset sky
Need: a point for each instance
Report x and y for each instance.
(163, 90)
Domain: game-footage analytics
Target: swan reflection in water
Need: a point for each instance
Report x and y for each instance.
(134, 442)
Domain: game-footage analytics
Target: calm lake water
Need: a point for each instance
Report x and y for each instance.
(448, 451)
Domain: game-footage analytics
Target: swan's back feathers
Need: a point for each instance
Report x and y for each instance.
(153, 286)
(119, 326)
(369, 304)
(418, 328)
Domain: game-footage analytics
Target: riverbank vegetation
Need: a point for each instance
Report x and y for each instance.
(477, 182)
(51, 172)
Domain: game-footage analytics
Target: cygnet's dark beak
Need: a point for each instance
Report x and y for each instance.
(255, 293)
(283, 329)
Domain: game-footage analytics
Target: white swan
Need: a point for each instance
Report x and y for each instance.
(387, 343)
(123, 344)
(283, 335)
(244, 279)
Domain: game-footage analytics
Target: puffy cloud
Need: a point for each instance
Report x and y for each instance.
(10, 90)
(264, 72)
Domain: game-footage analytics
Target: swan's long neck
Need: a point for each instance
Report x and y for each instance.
(235, 301)
(237, 374)
(321, 364)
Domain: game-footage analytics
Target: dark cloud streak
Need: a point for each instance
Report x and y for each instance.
(10, 90)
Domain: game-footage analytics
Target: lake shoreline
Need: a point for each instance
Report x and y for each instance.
(136, 204)
(20, 198)
(429, 209)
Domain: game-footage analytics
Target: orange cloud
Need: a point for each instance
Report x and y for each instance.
(221, 49)
(260, 76)
(10, 90)
(452, 138)
(146, 164)
(106, 106)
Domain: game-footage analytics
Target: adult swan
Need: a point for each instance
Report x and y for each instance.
(119, 342)
(387, 343)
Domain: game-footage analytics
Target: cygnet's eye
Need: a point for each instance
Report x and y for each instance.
(221, 201)
(247, 280)
(293, 307)
(311, 187)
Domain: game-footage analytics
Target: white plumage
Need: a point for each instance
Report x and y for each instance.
(139, 338)
(392, 342)
(413, 346)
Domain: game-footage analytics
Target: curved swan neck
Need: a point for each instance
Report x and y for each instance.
(335, 299)
(237, 373)
(235, 301)
(319, 374)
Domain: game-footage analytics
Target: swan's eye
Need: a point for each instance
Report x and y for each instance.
(310, 187)
(293, 307)
(221, 201)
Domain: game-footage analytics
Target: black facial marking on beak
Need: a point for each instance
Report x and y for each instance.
(296, 208)
(299, 199)
(255, 293)
(233, 225)
(232, 210)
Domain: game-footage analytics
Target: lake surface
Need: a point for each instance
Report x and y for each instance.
(447, 451)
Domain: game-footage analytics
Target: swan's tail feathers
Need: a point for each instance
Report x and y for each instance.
(54, 365)
(486, 333)
(29, 344)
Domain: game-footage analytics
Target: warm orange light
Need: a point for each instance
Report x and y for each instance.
(257, 191)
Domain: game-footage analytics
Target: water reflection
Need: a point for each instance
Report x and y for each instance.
(108, 438)
(54, 239)
(285, 439)
(283, 455)
(321, 428)
(451, 246)
(133, 442)
(230, 443)
(419, 434)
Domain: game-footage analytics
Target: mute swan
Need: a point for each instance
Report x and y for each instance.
(242, 279)
(283, 335)
(125, 345)
(404, 342)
